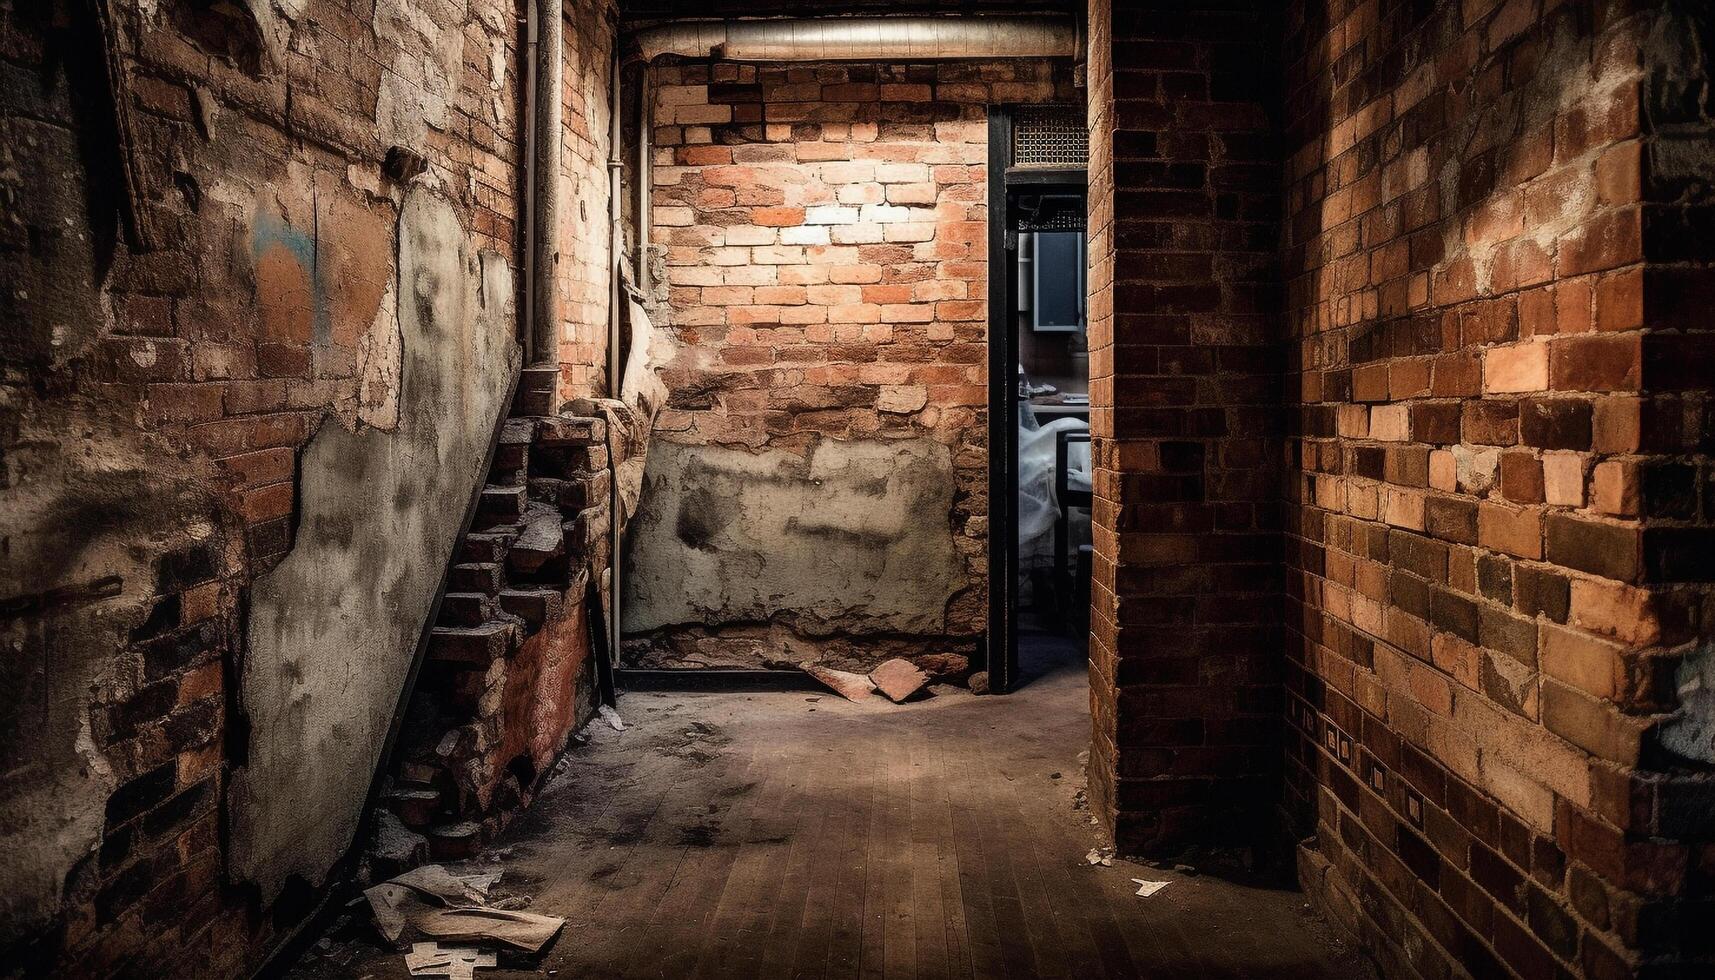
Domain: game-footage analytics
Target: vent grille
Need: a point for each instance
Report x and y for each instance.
(1050, 136)
(1057, 221)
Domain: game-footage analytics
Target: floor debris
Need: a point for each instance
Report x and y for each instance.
(1148, 888)
(434, 903)
(899, 679)
(1103, 856)
(852, 687)
(944, 666)
(435, 960)
(611, 717)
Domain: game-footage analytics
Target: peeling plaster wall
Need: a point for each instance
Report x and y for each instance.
(262, 403)
(332, 628)
(85, 525)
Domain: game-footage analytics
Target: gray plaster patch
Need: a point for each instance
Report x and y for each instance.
(332, 629)
(855, 538)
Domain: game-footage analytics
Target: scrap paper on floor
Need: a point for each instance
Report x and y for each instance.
(456, 962)
(1148, 888)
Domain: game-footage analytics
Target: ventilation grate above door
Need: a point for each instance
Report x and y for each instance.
(1050, 136)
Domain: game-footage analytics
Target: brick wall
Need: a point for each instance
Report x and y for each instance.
(1495, 547)
(159, 391)
(1184, 387)
(823, 234)
(585, 248)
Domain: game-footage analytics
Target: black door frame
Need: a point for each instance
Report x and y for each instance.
(1001, 646)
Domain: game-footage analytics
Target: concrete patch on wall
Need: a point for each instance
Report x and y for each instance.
(856, 537)
(333, 627)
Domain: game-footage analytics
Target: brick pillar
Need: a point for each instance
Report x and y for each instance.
(1184, 368)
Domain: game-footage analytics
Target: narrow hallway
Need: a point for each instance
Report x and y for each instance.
(795, 834)
(392, 391)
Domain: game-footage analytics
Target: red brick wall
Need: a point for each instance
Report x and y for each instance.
(1493, 536)
(585, 253)
(1184, 368)
(824, 236)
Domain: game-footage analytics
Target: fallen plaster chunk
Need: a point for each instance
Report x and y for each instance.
(1103, 856)
(898, 679)
(852, 687)
(1147, 888)
(611, 717)
(979, 682)
(435, 960)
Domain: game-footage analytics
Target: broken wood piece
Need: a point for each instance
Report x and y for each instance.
(898, 678)
(852, 687)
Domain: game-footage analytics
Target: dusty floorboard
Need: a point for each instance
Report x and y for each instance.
(798, 835)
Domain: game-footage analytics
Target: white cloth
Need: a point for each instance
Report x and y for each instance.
(1037, 506)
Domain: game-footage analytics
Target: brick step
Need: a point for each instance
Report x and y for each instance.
(454, 841)
(477, 576)
(570, 495)
(534, 606)
(415, 806)
(466, 609)
(499, 506)
(487, 546)
(541, 544)
(512, 453)
(563, 431)
(538, 391)
(475, 646)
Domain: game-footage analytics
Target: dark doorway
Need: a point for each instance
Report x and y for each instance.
(1039, 488)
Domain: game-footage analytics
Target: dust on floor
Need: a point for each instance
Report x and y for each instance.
(795, 834)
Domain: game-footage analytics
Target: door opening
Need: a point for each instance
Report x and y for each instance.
(1039, 448)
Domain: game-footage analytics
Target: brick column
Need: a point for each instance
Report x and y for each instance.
(1184, 375)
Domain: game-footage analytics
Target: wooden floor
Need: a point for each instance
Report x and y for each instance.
(797, 835)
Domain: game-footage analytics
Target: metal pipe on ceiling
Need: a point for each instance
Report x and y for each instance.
(862, 39)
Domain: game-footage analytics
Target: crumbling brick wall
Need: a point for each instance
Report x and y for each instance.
(1185, 616)
(202, 294)
(822, 238)
(1497, 247)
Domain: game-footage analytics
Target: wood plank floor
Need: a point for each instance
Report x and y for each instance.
(795, 835)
